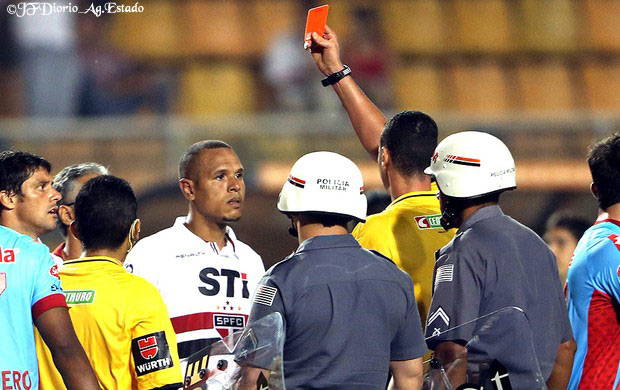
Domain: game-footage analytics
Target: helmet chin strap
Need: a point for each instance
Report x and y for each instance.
(293, 230)
(450, 213)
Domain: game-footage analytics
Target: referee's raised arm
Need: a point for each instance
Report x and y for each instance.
(367, 120)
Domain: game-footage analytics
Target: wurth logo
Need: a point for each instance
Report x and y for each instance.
(151, 353)
(158, 364)
(148, 347)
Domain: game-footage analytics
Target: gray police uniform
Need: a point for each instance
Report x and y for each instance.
(347, 311)
(495, 262)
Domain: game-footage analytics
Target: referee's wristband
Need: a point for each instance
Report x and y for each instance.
(335, 77)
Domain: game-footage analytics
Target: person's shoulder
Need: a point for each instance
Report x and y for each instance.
(160, 238)
(21, 246)
(137, 287)
(603, 243)
(158, 243)
(245, 251)
(387, 267)
(282, 268)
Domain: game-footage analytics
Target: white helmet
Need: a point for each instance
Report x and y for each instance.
(324, 182)
(471, 164)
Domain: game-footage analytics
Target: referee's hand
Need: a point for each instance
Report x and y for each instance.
(326, 52)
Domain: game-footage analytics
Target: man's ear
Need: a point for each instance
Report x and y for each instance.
(65, 214)
(594, 190)
(135, 231)
(384, 157)
(7, 201)
(187, 188)
(73, 231)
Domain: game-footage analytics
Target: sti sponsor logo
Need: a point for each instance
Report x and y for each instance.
(15, 380)
(8, 255)
(425, 222)
(214, 279)
(332, 184)
(80, 297)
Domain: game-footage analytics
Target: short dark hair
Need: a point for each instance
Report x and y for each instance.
(64, 182)
(604, 162)
(575, 224)
(411, 139)
(328, 219)
(17, 167)
(186, 165)
(105, 208)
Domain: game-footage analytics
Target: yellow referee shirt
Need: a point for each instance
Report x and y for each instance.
(122, 323)
(409, 233)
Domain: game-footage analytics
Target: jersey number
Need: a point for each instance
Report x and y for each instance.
(2, 282)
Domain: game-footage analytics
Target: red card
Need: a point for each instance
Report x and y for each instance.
(316, 21)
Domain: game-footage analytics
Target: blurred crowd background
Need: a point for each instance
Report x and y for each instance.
(133, 90)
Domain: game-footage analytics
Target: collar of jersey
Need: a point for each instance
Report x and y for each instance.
(615, 222)
(93, 259)
(326, 242)
(179, 223)
(410, 195)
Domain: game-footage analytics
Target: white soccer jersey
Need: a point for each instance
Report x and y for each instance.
(208, 291)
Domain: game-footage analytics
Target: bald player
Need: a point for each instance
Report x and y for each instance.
(204, 274)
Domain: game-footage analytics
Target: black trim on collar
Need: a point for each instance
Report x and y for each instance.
(412, 196)
(88, 261)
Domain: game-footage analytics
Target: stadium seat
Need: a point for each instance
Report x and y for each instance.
(152, 33)
(216, 89)
(545, 86)
(482, 25)
(479, 88)
(415, 26)
(271, 17)
(548, 26)
(602, 24)
(216, 28)
(602, 80)
(419, 85)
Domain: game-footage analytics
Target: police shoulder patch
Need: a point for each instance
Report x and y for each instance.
(151, 353)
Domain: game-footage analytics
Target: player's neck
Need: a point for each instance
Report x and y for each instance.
(119, 253)
(400, 185)
(611, 212)
(206, 229)
(309, 230)
(72, 249)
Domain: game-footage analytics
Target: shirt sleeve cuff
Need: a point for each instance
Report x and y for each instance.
(409, 353)
(46, 303)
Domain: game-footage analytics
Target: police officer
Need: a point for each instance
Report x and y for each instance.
(349, 314)
(493, 262)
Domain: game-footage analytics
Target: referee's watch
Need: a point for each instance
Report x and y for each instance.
(335, 77)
